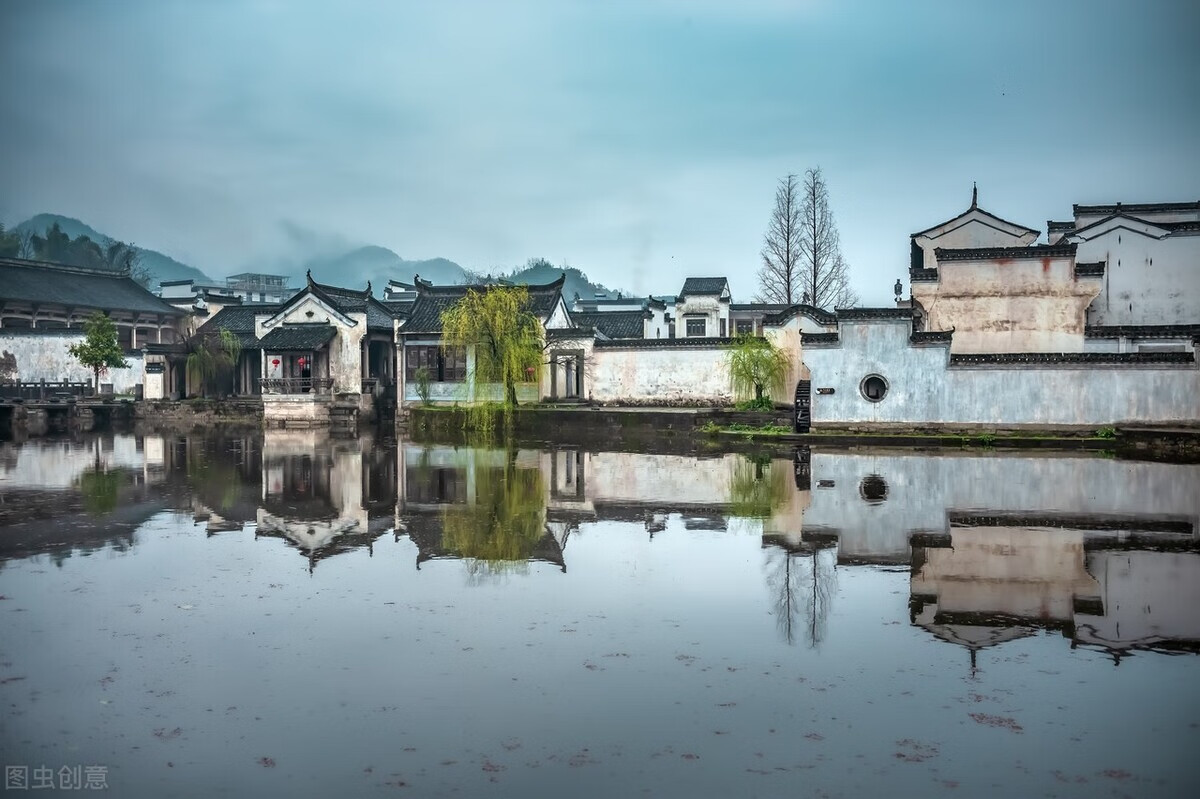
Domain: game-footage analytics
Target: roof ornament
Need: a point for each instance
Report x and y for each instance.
(308, 276)
(898, 288)
(974, 195)
(368, 294)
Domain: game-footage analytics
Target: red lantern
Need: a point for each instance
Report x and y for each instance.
(274, 361)
(300, 361)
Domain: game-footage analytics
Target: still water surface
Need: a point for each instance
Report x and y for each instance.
(293, 616)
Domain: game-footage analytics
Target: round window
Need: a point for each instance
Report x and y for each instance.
(873, 489)
(873, 388)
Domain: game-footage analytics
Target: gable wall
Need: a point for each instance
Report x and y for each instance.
(971, 234)
(1147, 281)
(1008, 305)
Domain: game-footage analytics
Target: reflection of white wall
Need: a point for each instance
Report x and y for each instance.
(58, 464)
(1033, 573)
(1148, 597)
(921, 489)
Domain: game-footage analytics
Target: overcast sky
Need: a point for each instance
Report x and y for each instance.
(638, 141)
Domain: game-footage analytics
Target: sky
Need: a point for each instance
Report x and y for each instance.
(638, 141)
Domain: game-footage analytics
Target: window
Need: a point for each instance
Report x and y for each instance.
(873, 387)
(695, 327)
(745, 327)
(873, 489)
(445, 364)
(723, 333)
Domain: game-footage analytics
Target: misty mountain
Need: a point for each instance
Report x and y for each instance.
(161, 267)
(351, 269)
(378, 265)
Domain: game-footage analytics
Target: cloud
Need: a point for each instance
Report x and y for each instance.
(639, 142)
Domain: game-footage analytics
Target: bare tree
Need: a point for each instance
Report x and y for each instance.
(779, 276)
(824, 274)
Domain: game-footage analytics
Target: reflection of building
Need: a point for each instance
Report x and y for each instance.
(60, 498)
(994, 579)
(324, 497)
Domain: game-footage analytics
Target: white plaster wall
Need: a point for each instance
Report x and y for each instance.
(713, 309)
(656, 325)
(1147, 281)
(44, 356)
(976, 230)
(666, 375)
(1008, 305)
(923, 389)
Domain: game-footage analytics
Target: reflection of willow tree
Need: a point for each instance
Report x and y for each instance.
(215, 481)
(758, 487)
(803, 583)
(501, 530)
(100, 488)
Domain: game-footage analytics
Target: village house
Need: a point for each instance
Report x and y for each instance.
(43, 308)
(323, 341)
(451, 370)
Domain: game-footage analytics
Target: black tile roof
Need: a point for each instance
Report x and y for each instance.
(400, 308)
(982, 253)
(1090, 270)
(922, 275)
(239, 320)
(614, 324)
(694, 286)
(767, 307)
(820, 315)
(1134, 208)
(1141, 331)
(1108, 358)
(857, 314)
(432, 301)
(964, 213)
(1058, 227)
(664, 343)
(931, 337)
(298, 337)
(77, 287)
(379, 316)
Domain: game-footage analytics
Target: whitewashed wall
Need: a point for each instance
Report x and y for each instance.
(660, 375)
(43, 356)
(1148, 280)
(1008, 305)
(923, 389)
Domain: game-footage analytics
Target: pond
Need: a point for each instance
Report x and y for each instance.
(289, 615)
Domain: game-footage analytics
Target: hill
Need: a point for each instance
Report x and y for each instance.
(379, 265)
(161, 267)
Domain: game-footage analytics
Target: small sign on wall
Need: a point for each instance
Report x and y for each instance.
(154, 368)
(824, 390)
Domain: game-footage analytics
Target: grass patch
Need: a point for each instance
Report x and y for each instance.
(755, 430)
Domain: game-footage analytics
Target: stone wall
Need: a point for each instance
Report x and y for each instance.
(296, 410)
(925, 387)
(200, 412)
(42, 355)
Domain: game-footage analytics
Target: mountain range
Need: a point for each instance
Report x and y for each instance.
(351, 269)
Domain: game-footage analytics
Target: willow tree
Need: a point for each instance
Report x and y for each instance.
(758, 369)
(498, 323)
(500, 532)
(211, 359)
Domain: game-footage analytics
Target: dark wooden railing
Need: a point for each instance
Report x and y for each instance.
(42, 390)
(296, 385)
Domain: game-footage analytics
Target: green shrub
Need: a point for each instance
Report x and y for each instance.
(1106, 432)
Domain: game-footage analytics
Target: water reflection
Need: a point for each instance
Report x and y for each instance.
(997, 547)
